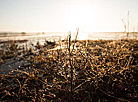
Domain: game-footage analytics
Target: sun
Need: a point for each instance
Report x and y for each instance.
(81, 16)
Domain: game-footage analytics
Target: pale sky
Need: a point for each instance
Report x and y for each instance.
(65, 15)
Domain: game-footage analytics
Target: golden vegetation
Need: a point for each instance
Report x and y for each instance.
(85, 70)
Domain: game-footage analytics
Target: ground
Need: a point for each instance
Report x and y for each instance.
(84, 70)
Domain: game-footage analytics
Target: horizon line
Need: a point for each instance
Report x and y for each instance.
(68, 31)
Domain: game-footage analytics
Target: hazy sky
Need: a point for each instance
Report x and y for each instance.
(65, 15)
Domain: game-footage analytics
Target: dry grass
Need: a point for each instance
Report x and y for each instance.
(86, 70)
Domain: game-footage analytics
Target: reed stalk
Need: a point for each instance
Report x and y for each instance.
(70, 63)
(70, 59)
(128, 24)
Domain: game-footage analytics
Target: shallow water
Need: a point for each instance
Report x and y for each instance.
(34, 37)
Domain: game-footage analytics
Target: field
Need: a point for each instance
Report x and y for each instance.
(65, 71)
